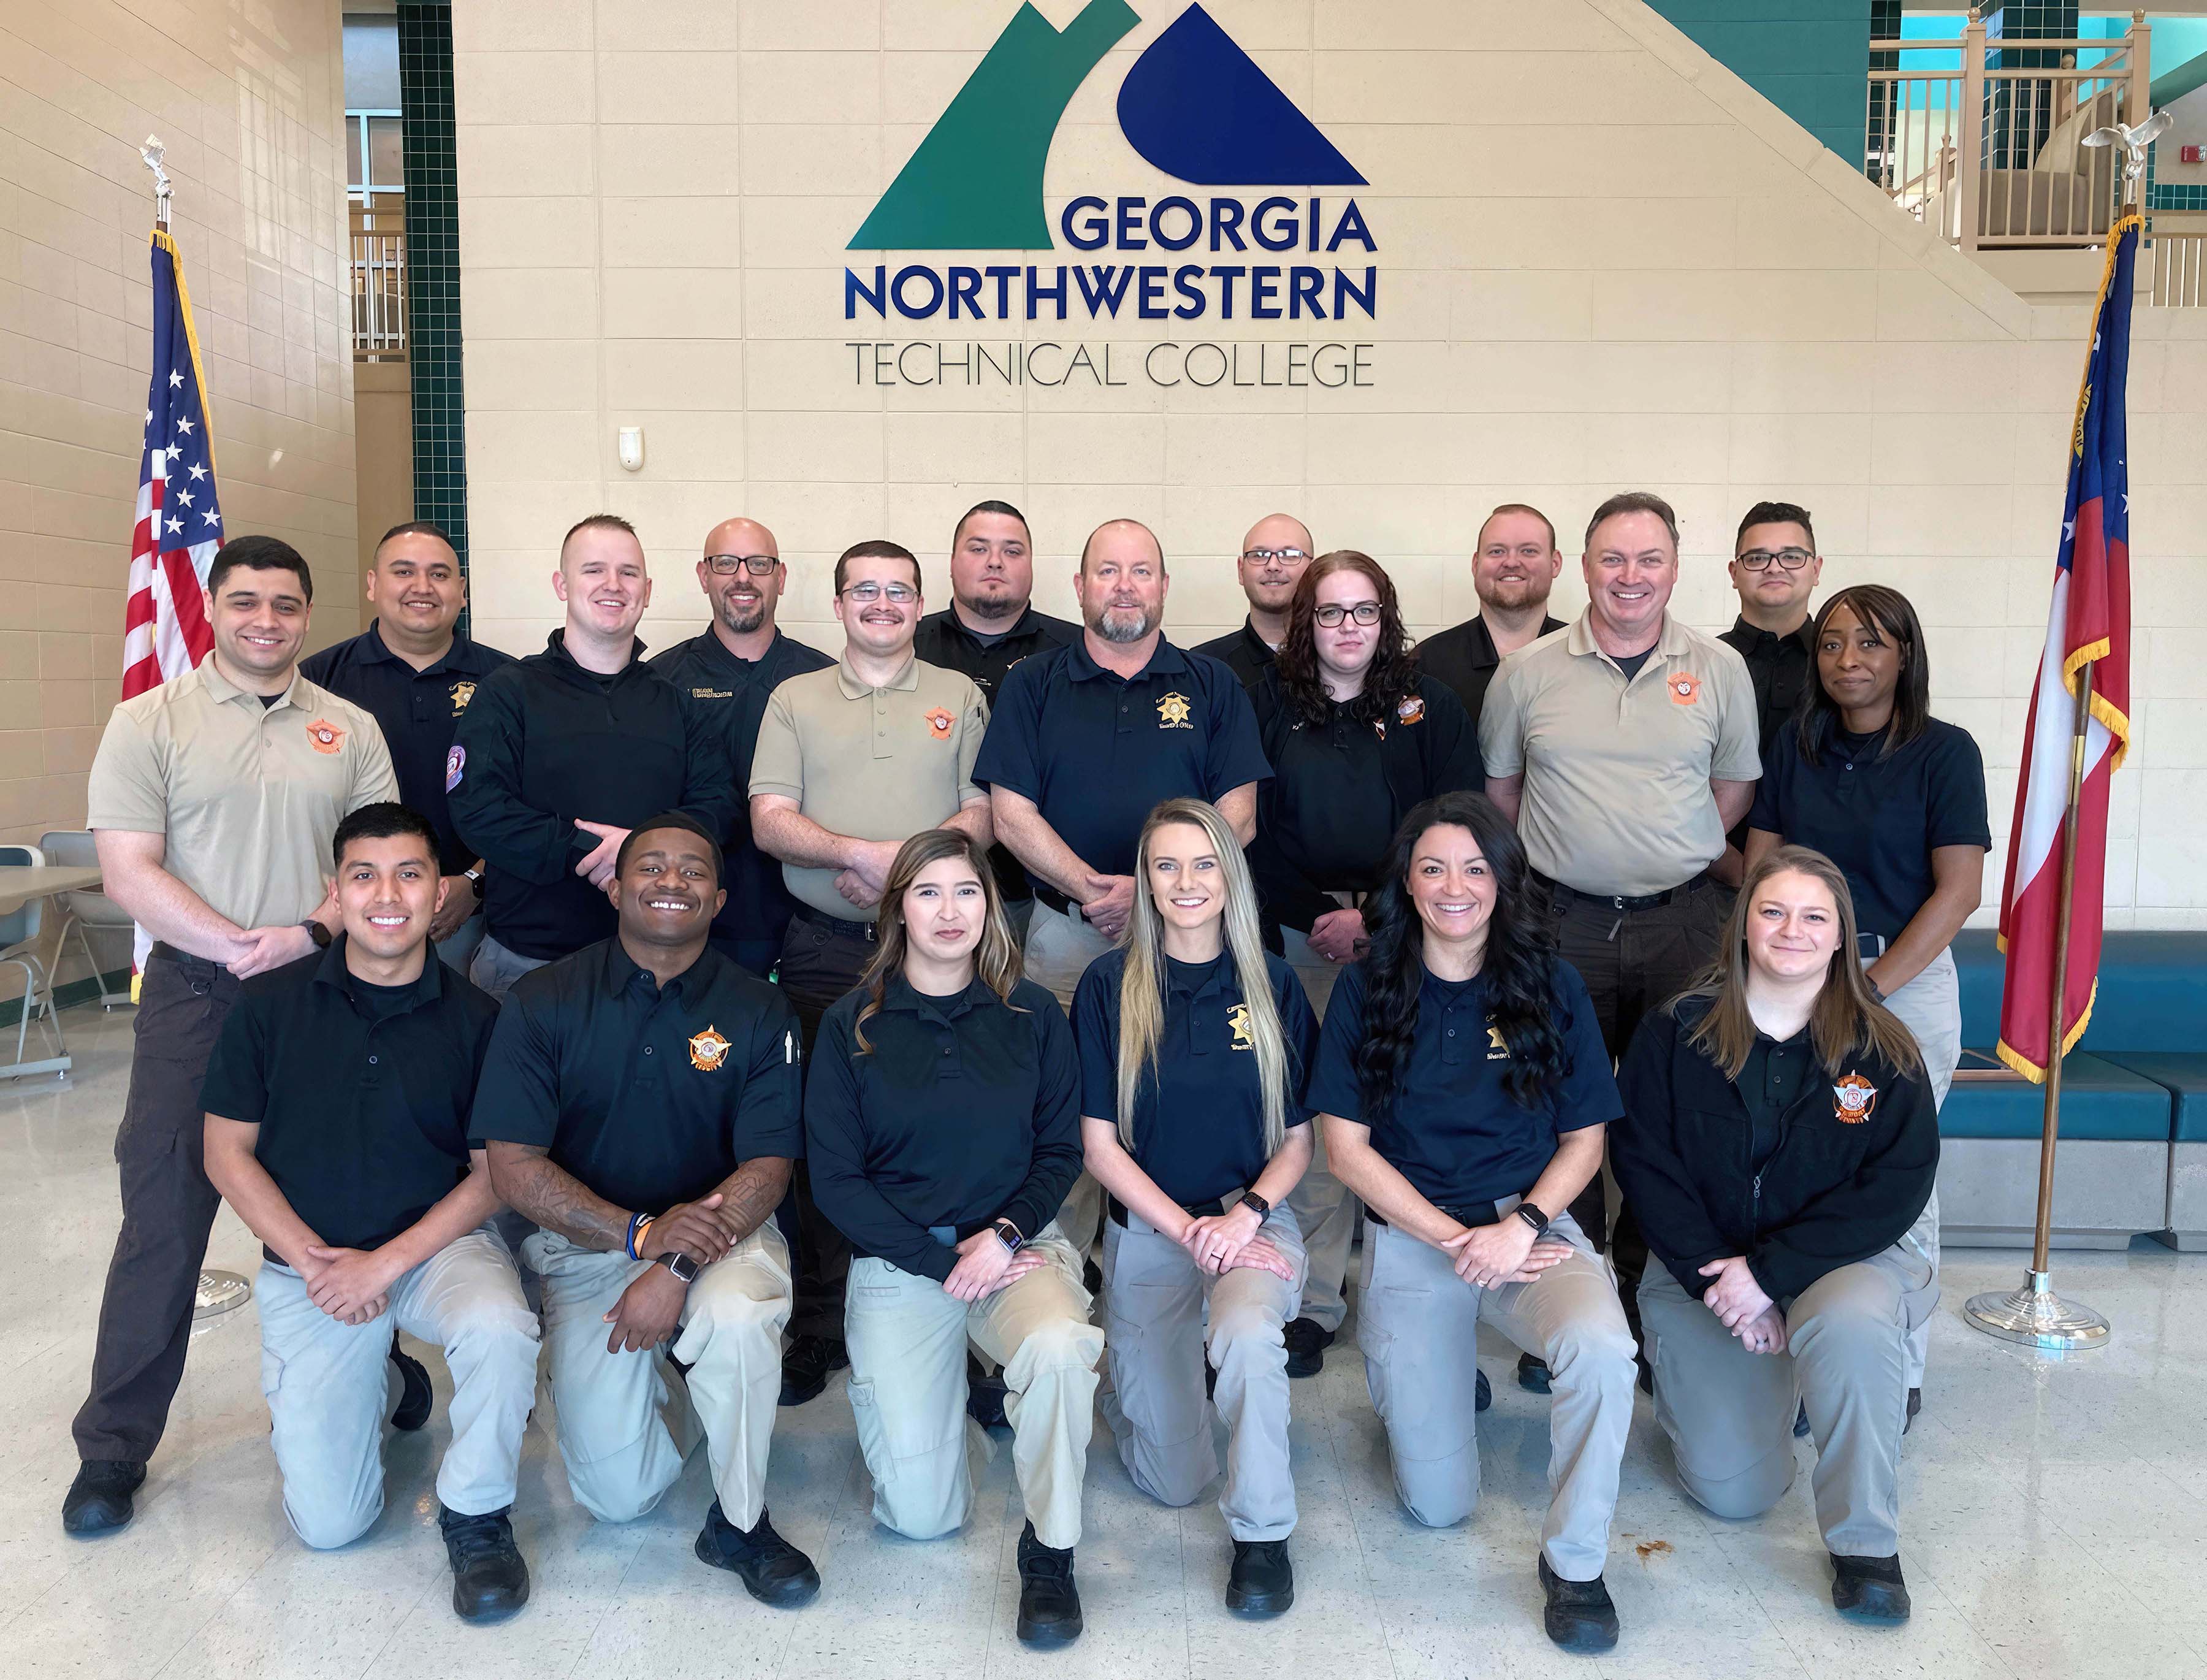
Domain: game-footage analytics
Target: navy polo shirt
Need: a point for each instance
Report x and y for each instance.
(1200, 1113)
(1879, 818)
(958, 1112)
(1246, 654)
(648, 1095)
(1452, 1130)
(361, 1093)
(419, 713)
(1097, 752)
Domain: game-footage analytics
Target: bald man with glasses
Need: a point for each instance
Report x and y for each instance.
(1273, 555)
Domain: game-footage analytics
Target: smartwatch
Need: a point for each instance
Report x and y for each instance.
(1256, 1202)
(318, 933)
(1533, 1216)
(475, 878)
(680, 1265)
(1009, 1235)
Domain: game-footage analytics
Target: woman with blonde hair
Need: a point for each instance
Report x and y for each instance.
(1194, 1046)
(1781, 1147)
(942, 1117)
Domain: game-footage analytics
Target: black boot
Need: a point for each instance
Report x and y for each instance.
(98, 1500)
(805, 1366)
(1262, 1582)
(984, 1395)
(414, 1391)
(1307, 1341)
(1801, 1422)
(1915, 1405)
(1869, 1589)
(1482, 1394)
(489, 1577)
(1579, 1615)
(773, 1570)
(1532, 1374)
(1049, 1604)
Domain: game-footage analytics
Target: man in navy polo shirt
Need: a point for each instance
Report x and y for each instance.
(1085, 741)
(413, 672)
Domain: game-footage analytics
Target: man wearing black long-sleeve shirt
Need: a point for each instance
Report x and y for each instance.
(561, 754)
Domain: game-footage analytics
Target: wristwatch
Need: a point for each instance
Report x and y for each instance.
(318, 933)
(1009, 1235)
(1533, 1216)
(475, 878)
(680, 1265)
(1251, 1200)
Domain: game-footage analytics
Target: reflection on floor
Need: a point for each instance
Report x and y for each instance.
(2055, 1516)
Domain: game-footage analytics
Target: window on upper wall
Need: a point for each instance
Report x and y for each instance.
(374, 157)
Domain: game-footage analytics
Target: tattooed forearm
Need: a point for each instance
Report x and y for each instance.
(751, 1192)
(528, 1182)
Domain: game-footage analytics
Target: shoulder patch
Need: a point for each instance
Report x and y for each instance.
(456, 761)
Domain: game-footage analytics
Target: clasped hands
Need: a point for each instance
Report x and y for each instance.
(649, 1311)
(1739, 1302)
(1223, 1242)
(1509, 1250)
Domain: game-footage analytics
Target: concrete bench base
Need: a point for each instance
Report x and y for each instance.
(2188, 1197)
(2104, 1193)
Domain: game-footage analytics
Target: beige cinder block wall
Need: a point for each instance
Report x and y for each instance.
(1683, 292)
(250, 102)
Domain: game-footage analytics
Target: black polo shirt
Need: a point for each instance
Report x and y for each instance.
(648, 1095)
(964, 1110)
(362, 1093)
(1204, 1137)
(731, 694)
(945, 640)
(1781, 667)
(1464, 657)
(1879, 818)
(1452, 1130)
(545, 742)
(1245, 653)
(1341, 788)
(1097, 752)
(419, 713)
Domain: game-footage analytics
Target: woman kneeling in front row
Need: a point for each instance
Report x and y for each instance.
(1782, 1141)
(943, 1118)
(1199, 1042)
(1465, 1092)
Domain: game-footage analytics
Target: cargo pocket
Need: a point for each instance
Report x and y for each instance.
(873, 1434)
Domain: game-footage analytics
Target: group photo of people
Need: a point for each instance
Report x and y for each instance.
(1009, 1030)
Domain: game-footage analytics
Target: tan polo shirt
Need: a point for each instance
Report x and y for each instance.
(875, 763)
(249, 798)
(1617, 774)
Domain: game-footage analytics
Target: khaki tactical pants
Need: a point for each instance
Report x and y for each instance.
(907, 1340)
(1930, 1007)
(1060, 948)
(621, 1453)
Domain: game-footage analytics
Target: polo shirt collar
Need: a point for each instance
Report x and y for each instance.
(1028, 623)
(555, 648)
(901, 994)
(1259, 649)
(220, 688)
(1217, 976)
(1164, 659)
(428, 987)
(709, 644)
(622, 971)
(374, 650)
(906, 680)
(1485, 656)
(1669, 645)
(1757, 637)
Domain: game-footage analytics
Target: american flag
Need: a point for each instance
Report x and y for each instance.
(2090, 625)
(164, 627)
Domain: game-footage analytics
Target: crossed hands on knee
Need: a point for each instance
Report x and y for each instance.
(1740, 1304)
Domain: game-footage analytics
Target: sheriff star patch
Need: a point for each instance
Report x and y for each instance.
(462, 693)
(938, 725)
(1852, 1099)
(708, 1050)
(1174, 712)
(1412, 708)
(1685, 688)
(326, 736)
(1237, 1019)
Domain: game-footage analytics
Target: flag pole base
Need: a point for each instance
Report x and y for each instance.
(2038, 1318)
(220, 1292)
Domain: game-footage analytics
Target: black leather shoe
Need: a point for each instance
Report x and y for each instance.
(1049, 1604)
(984, 1395)
(1869, 1589)
(415, 1393)
(1482, 1395)
(489, 1577)
(773, 1570)
(1262, 1582)
(1579, 1615)
(805, 1366)
(98, 1500)
(1915, 1405)
(1307, 1341)
(1532, 1374)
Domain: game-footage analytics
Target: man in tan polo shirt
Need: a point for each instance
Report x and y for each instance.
(213, 800)
(852, 762)
(1624, 747)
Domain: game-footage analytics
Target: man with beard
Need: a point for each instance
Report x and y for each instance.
(1515, 567)
(1273, 555)
(727, 674)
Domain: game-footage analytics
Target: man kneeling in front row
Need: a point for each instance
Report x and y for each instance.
(337, 1125)
(641, 1103)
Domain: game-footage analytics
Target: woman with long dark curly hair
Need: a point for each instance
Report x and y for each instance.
(1464, 1094)
(1355, 737)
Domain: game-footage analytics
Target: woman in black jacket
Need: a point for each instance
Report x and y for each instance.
(1781, 1140)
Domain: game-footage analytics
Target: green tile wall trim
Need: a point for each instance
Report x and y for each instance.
(1806, 56)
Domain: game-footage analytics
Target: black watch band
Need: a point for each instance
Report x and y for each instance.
(1009, 1235)
(680, 1265)
(1250, 1198)
(318, 933)
(1533, 1216)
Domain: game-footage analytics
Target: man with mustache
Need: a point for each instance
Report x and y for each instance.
(1514, 568)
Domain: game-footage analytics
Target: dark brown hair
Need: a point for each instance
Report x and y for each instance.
(996, 960)
(875, 548)
(1393, 675)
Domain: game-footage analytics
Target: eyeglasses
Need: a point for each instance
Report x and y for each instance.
(727, 566)
(866, 594)
(1266, 556)
(1759, 560)
(1332, 614)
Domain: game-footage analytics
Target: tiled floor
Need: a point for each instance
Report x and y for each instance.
(2054, 1516)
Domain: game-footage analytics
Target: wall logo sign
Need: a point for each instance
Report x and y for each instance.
(1268, 231)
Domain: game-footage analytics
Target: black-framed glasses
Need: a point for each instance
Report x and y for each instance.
(1266, 556)
(866, 594)
(1332, 614)
(1759, 560)
(727, 565)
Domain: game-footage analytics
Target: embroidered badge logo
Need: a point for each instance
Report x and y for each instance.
(326, 736)
(712, 694)
(1685, 688)
(1174, 712)
(456, 761)
(1852, 1099)
(938, 725)
(708, 1050)
(1237, 1018)
(1497, 1049)
(1411, 709)
(462, 693)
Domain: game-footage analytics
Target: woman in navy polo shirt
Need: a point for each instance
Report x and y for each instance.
(1896, 798)
(1465, 1093)
(1195, 1044)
